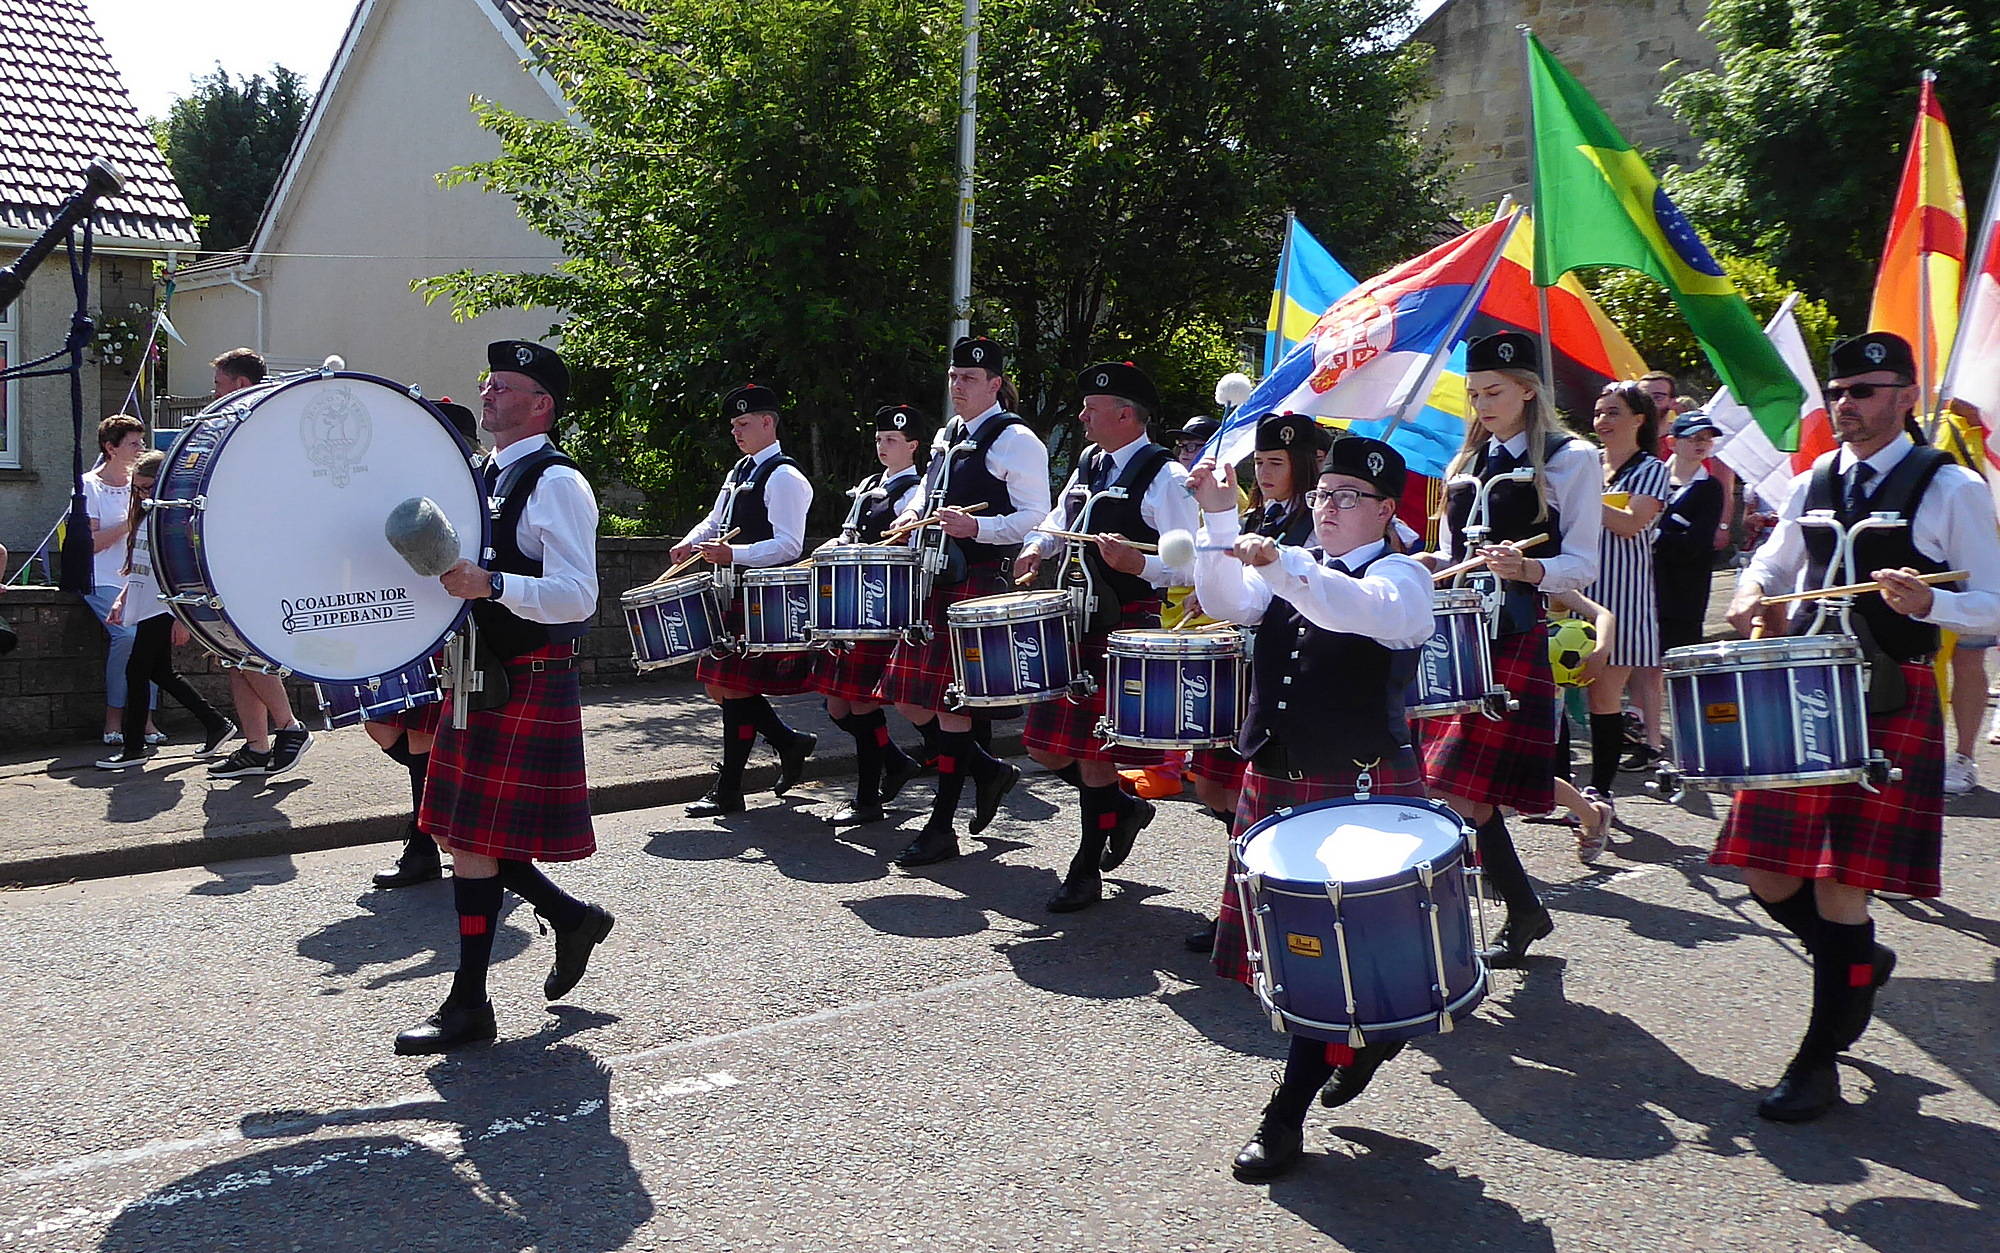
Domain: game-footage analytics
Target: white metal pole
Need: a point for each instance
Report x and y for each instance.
(968, 118)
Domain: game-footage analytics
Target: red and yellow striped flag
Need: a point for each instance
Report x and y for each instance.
(1916, 290)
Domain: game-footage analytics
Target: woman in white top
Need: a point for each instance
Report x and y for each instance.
(107, 498)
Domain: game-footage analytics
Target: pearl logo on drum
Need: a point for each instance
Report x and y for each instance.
(1194, 702)
(1815, 713)
(336, 431)
(346, 609)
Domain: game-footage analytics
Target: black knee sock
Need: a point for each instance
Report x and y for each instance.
(1071, 774)
(739, 736)
(1306, 1072)
(526, 881)
(416, 764)
(1227, 817)
(1502, 866)
(768, 723)
(1841, 970)
(1100, 810)
(1798, 914)
(930, 731)
(871, 734)
(982, 734)
(1565, 767)
(893, 756)
(1607, 745)
(478, 903)
(953, 762)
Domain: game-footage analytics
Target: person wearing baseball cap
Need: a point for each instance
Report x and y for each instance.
(1684, 545)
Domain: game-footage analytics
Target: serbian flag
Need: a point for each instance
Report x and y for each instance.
(1916, 290)
(1746, 447)
(1378, 352)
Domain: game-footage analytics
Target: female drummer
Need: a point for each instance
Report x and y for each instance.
(1338, 626)
(1476, 764)
(848, 675)
(1636, 486)
(1285, 464)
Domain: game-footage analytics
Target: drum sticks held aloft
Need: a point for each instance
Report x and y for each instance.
(1465, 567)
(896, 532)
(1859, 589)
(720, 539)
(1086, 538)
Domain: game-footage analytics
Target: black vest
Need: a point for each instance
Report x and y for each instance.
(1510, 515)
(1331, 699)
(971, 483)
(1292, 526)
(745, 510)
(1114, 511)
(502, 632)
(875, 506)
(1901, 491)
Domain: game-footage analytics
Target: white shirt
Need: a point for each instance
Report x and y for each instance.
(1954, 524)
(559, 529)
(1576, 489)
(1017, 458)
(787, 496)
(142, 586)
(897, 507)
(1390, 604)
(108, 506)
(1166, 506)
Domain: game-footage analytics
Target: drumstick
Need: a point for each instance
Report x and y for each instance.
(1452, 572)
(1079, 535)
(927, 520)
(1857, 589)
(694, 557)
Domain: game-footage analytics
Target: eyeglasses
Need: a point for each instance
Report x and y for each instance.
(491, 388)
(1860, 391)
(1339, 498)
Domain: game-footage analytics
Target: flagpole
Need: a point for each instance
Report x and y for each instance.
(1274, 351)
(1547, 353)
(961, 235)
(1925, 331)
(1428, 379)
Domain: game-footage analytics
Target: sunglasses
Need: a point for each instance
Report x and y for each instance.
(1860, 391)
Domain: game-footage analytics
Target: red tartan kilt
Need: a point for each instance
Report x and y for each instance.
(1886, 841)
(1217, 765)
(511, 784)
(1510, 762)
(763, 674)
(854, 672)
(917, 674)
(1067, 727)
(1264, 795)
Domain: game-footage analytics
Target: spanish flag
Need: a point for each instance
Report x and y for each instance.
(1917, 288)
(1596, 203)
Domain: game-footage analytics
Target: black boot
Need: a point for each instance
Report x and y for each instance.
(419, 862)
(452, 1026)
(932, 845)
(1351, 1080)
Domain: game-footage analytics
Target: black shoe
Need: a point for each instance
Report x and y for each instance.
(716, 803)
(1202, 941)
(1119, 846)
(895, 776)
(987, 793)
(1860, 1010)
(1351, 1080)
(125, 759)
(1519, 932)
(217, 736)
(932, 845)
(1079, 891)
(287, 747)
(243, 763)
(450, 1027)
(1644, 757)
(573, 951)
(792, 761)
(1271, 1152)
(855, 815)
(1802, 1095)
(420, 863)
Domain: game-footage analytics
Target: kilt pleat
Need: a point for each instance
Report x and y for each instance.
(854, 672)
(917, 674)
(1509, 762)
(1891, 840)
(1067, 726)
(1217, 765)
(764, 674)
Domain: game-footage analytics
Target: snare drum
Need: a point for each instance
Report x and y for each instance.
(674, 621)
(382, 697)
(1776, 713)
(776, 600)
(1360, 915)
(1455, 666)
(267, 526)
(1016, 648)
(1174, 689)
(867, 592)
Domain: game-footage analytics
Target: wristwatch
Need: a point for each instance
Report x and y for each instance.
(498, 582)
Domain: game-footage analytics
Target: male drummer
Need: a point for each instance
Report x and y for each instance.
(1125, 490)
(1339, 625)
(764, 502)
(848, 676)
(273, 737)
(1812, 855)
(986, 456)
(509, 790)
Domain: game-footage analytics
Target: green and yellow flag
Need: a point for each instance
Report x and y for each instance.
(1597, 204)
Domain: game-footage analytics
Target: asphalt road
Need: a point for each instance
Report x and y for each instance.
(788, 1044)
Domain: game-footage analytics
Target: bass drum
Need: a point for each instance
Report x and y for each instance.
(267, 526)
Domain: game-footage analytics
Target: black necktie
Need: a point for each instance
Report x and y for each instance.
(1858, 479)
(743, 468)
(1100, 472)
(492, 477)
(1501, 461)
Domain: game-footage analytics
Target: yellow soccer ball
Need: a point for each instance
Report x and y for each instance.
(1570, 641)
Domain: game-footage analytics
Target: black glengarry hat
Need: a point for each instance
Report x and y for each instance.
(1282, 432)
(1363, 457)
(749, 398)
(1119, 378)
(977, 351)
(1865, 354)
(907, 419)
(1507, 350)
(544, 365)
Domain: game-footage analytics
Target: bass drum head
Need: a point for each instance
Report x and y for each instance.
(1351, 842)
(292, 533)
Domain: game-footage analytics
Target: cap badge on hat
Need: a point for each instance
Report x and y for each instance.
(743, 406)
(1877, 353)
(1375, 463)
(1103, 379)
(978, 353)
(1504, 351)
(1288, 433)
(524, 354)
(900, 420)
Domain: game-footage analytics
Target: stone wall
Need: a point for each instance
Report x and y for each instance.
(1622, 51)
(52, 684)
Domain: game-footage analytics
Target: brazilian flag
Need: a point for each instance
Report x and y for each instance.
(1596, 203)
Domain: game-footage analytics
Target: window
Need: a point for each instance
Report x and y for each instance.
(10, 395)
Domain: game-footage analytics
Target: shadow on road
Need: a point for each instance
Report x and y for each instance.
(394, 928)
(1387, 1197)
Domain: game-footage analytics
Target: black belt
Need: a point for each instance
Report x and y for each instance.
(540, 665)
(1275, 760)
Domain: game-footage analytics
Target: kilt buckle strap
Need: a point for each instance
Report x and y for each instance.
(540, 665)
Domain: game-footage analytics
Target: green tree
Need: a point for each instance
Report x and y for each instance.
(226, 142)
(1645, 312)
(1804, 127)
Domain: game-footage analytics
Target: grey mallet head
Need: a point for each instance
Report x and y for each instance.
(418, 530)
